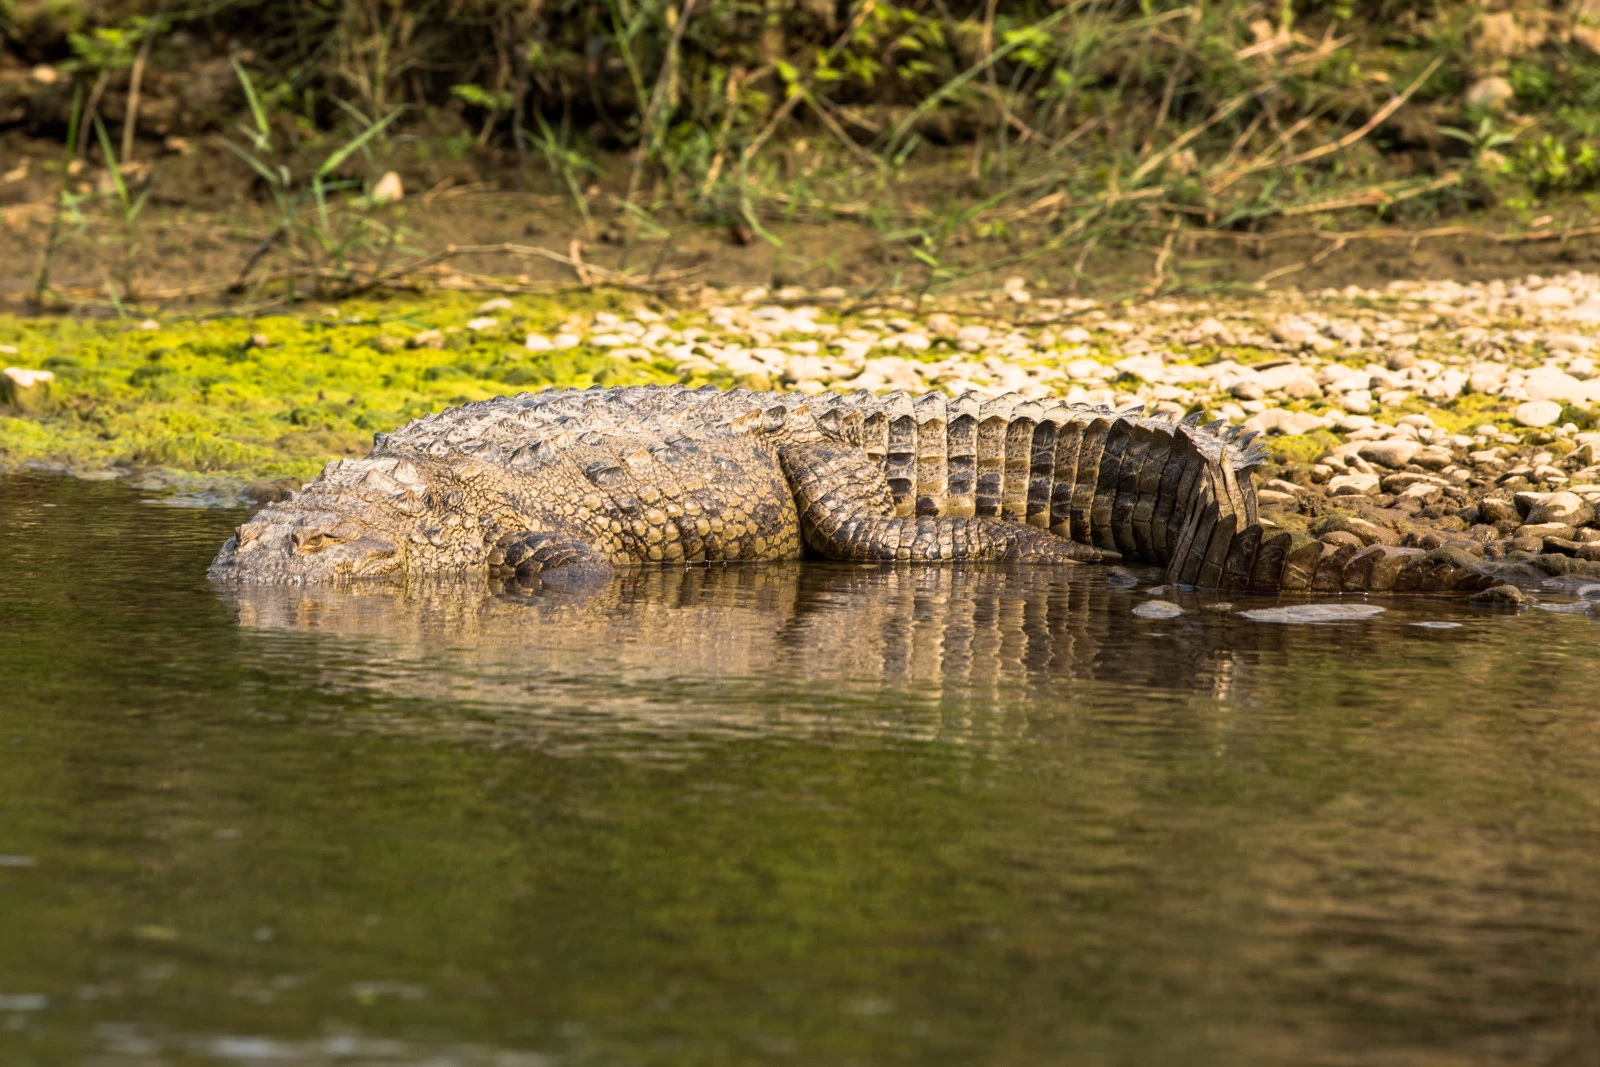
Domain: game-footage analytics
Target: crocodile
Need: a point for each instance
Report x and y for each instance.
(567, 484)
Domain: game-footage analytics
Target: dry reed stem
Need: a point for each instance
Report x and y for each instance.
(1159, 274)
(135, 81)
(1160, 157)
(1394, 234)
(1377, 119)
(820, 108)
(1374, 197)
(575, 260)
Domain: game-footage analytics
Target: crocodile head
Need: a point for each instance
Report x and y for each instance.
(359, 519)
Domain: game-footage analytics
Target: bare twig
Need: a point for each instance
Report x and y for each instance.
(135, 80)
(986, 41)
(1240, 141)
(575, 260)
(820, 108)
(1028, 133)
(1273, 275)
(1375, 197)
(255, 257)
(1396, 234)
(1285, 137)
(1159, 274)
(1106, 200)
(730, 97)
(1333, 249)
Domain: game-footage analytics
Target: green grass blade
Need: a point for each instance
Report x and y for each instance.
(341, 154)
(111, 162)
(256, 108)
(255, 164)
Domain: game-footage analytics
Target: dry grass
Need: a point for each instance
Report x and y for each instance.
(1084, 122)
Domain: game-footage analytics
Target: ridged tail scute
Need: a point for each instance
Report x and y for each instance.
(1019, 459)
(900, 461)
(1042, 467)
(994, 422)
(961, 454)
(874, 426)
(932, 449)
(1091, 450)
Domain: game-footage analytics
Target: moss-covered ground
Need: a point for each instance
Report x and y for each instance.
(203, 395)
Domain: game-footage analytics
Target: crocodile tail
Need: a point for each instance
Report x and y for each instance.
(1120, 481)
(1177, 493)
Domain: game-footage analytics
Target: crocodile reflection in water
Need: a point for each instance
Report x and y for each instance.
(1009, 634)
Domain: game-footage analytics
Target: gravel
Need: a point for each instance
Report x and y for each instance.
(1437, 412)
(1441, 413)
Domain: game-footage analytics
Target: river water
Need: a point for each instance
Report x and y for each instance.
(805, 814)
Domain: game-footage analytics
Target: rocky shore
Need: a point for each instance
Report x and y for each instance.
(1419, 415)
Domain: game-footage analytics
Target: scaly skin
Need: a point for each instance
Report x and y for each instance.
(580, 483)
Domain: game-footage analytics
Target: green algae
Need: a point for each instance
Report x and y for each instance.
(1460, 414)
(1295, 449)
(200, 396)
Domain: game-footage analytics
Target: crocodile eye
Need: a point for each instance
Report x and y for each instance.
(334, 530)
(317, 540)
(313, 542)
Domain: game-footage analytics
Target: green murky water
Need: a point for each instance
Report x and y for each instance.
(807, 815)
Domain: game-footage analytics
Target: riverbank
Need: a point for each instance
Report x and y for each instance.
(1462, 413)
(260, 152)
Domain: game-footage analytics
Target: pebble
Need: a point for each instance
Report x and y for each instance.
(1314, 613)
(389, 189)
(1560, 507)
(1293, 331)
(1358, 484)
(1499, 596)
(1392, 453)
(1536, 413)
(1158, 609)
(20, 1002)
(24, 378)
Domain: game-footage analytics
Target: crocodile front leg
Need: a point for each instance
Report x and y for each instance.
(527, 553)
(847, 513)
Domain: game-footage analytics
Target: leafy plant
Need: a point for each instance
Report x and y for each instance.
(1549, 166)
(1486, 136)
(318, 235)
(566, 163)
